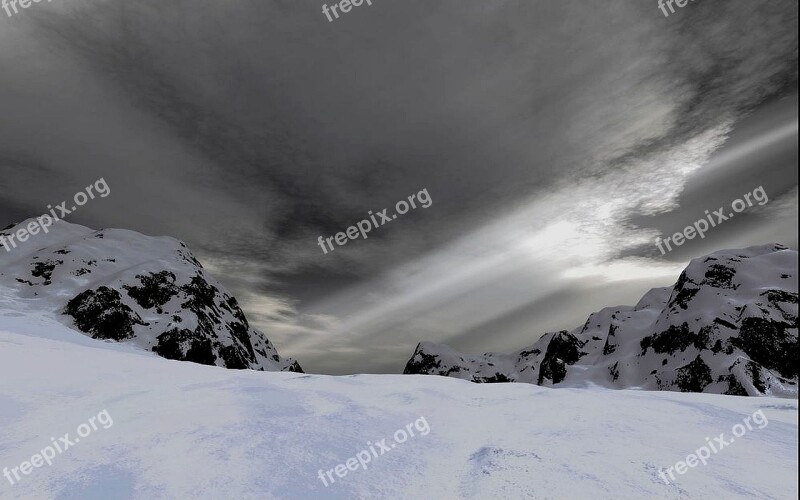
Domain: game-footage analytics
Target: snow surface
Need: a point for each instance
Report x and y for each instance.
(184, 430)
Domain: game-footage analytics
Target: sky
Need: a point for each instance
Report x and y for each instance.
(557, 141)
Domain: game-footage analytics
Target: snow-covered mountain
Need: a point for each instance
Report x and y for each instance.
(728, 326)
(123, 286)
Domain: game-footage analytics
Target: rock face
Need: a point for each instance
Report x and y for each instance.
(123, 286)
(728, 326)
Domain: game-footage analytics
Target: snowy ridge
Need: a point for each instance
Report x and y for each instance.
(123, 286)
(728, 326)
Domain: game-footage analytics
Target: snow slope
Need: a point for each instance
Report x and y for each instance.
(184, 430)
(728, 326)
(125, 286)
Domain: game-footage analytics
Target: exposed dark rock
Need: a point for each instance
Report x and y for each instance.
(720, 276)
(734, 387)
(185, 345)
(727, 324)
(496, 378)
(240, 332)
(295, 367)
(754, 371)
(102, 314)
(614, 371)
(770, 343)
(779, 299)
(673, 339)
(233, 357)
(564, 349)
(610, 345)
(693, 377)
(684, 292)
(44, 270)
(200, 295)
(155, 291)
(427, 363)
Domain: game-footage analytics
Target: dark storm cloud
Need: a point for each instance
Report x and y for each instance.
(544, 132)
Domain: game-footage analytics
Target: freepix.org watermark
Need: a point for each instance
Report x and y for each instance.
(344, 6)
(48, 453)
(715, 218)
(11, 5)
(702, 454)
(362, 228)
(663, 4)
(365, 456)
(44, 222)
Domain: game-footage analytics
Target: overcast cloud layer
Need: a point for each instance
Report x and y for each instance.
(556, 139)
